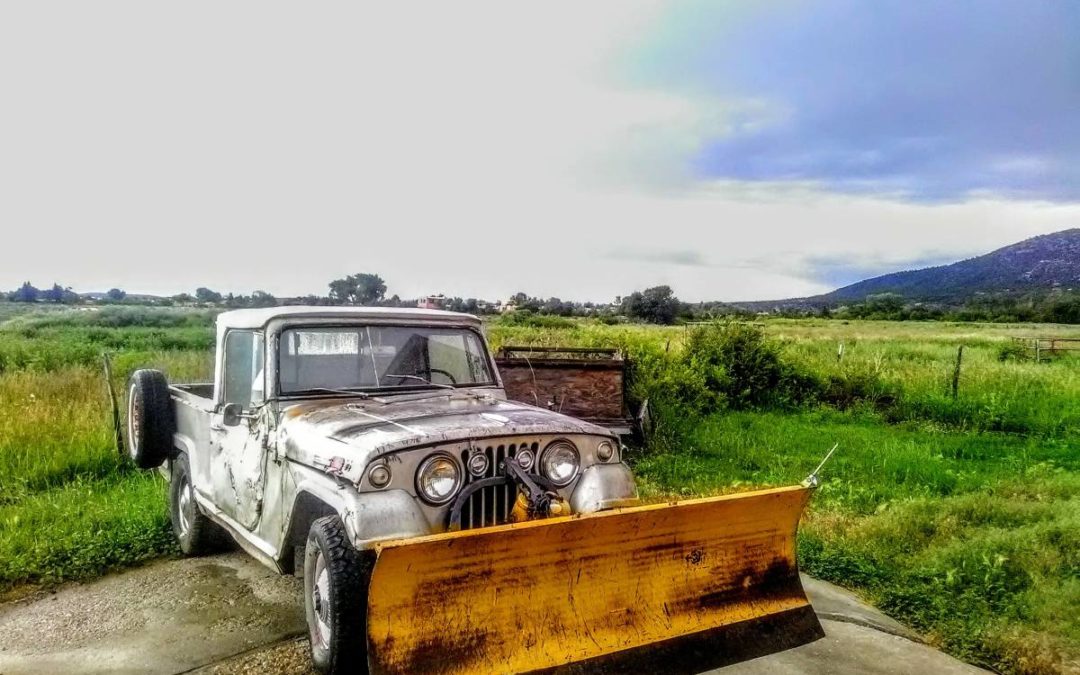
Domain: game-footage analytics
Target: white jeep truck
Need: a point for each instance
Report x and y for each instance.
(327, 430)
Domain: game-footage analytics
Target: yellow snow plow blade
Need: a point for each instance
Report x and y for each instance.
(702, 583)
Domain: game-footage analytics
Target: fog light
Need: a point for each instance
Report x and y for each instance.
(605, 451)
(525, 459)
(478, 464)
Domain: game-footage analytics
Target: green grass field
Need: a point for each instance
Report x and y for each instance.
(958, 516)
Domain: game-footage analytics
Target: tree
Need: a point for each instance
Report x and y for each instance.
(884, 304)
(57, 294)
(183, 299)
(358, 289)
(1063, 310)
(115, 295)
(233, 301)
(263, 299)
(655, 305)
(25, 293)
(205, 295)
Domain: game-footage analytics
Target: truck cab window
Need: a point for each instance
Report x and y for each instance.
(385, 357)
(244, 368)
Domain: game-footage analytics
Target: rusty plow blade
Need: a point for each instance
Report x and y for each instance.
(668, 588)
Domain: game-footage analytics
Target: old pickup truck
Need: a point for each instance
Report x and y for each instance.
(438, 526)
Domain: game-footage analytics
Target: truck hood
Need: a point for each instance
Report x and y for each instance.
(342, 437)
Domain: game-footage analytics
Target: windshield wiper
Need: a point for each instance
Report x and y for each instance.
(422, 379)
(328, 390)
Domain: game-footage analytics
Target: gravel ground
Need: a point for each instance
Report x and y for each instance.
(167, 617)
(287, 658)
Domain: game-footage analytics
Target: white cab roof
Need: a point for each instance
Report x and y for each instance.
(257, 318)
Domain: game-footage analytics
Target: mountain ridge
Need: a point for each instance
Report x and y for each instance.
(1044, 262)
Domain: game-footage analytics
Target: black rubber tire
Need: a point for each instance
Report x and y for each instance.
(196, 534)
(150, 422)
(348, 572)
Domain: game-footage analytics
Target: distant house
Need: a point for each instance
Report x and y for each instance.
(432, 302)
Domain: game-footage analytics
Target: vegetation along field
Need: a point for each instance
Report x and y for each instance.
(959, 516)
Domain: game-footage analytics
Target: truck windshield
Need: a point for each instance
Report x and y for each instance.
(380, 357)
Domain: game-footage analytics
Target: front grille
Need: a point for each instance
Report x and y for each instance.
(491, 505)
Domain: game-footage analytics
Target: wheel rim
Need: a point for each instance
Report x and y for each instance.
(134, 422)
(320, 603)
(185, 507)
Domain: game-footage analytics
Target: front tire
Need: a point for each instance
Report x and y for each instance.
(196, 534)
(335, 599)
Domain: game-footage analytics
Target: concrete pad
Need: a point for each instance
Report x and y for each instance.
(833, 602)
(851, 649)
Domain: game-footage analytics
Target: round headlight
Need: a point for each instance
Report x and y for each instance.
(605, 451)
(560, 462)
(379, 476)
(478, 464)
(438, 479)
(525, 459)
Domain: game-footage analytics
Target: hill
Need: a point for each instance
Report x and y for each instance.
(1046, 262)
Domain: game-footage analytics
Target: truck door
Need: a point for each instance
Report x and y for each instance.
(238, 453)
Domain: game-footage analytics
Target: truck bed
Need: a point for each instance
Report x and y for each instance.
(199, 390)
(193, 408)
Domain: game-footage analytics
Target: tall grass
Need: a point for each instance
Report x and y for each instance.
(70, 506)
(903, 370)
(83, 528)
(56, 425)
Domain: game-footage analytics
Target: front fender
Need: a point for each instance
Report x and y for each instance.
(387, 514)
(368, 516)
(604, 486)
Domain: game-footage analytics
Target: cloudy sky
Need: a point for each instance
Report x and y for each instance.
(733, 150)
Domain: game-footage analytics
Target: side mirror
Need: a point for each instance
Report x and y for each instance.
(231, 414)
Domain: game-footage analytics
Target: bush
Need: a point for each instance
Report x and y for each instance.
(1013, 351)
(851, 388)
(524, 317)
(743, 369)
(610, 320)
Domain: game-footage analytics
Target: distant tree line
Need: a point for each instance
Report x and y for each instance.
(57, 294)
(653, 305)
(1030, 307)
(657, 304)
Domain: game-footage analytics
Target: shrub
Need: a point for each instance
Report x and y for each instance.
(610, 320)
(1013, 351)
(851, 388)
(743, 369)
(525, 317)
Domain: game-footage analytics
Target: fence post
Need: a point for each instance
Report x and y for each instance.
(840, 352)
(956, 372)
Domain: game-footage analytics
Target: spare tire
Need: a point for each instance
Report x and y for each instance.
(150, 422)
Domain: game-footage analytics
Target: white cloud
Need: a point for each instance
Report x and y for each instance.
(475, 150)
